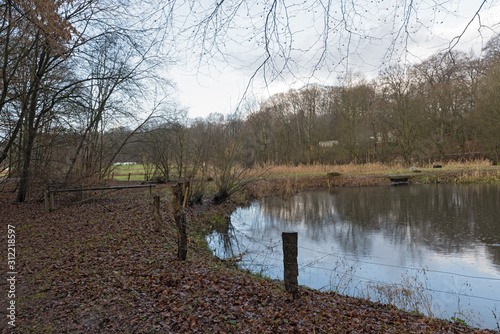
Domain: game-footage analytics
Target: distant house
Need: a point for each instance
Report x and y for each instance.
(390, 137)
(328, 143)
(124, 163)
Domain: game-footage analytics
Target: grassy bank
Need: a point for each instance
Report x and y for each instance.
(285, 170)
(287, 180)
(99, 267)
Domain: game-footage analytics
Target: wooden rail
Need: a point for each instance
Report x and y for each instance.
(399, 178)
(49, 194)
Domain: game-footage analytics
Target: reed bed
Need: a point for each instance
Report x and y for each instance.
(321, 169)
(351, 168)
(287, 180)
(468, 163)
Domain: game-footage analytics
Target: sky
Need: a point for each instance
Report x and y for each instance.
(208, 81)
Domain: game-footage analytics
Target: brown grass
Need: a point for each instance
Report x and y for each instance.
(319, 169)
(357, 168)
(288, 180)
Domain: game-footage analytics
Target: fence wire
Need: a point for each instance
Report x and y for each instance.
(258, 259)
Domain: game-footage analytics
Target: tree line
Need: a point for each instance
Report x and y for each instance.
(446, 107)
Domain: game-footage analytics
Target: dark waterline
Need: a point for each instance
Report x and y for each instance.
(441, 241)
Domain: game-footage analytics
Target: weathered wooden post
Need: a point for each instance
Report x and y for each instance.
(156, 213)
(178, 196)
(291, 268)
(180, 221)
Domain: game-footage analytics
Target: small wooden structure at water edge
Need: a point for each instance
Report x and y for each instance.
(399, 178)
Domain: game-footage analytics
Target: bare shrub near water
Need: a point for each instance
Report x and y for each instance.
(411, 294)
(342, 276)
(494, 312)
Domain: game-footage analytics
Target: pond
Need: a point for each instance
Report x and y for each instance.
(431, 248)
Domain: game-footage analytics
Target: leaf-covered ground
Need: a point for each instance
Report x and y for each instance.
(99, 267)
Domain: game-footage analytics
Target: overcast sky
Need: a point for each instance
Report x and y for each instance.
(217, 85)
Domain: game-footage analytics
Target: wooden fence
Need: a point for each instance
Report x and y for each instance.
(49, 194)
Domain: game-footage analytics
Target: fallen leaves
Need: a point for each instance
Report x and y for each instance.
(86, 269)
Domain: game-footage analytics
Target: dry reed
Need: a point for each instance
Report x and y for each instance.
(320, 168)
(375, 167)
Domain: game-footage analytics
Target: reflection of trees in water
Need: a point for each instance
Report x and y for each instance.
(315, 212)
(311, 207)
(225, 234)
(445, 218)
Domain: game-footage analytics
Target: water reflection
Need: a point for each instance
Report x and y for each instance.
(445, 218)
(352, 237)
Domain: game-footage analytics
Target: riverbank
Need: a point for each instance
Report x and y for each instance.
(286, 184)
(99, 267)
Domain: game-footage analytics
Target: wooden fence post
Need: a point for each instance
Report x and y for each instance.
(291, 268)
(128, 179)
(180, 221)
(178, 196)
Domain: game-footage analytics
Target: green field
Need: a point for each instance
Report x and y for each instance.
(121, 172)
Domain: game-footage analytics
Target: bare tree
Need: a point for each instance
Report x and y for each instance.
(406, 116)
(448, 85)
(354, 103)
(113, 74)
(487, 113)
(42, 84)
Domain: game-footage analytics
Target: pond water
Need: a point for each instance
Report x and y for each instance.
(435, 248)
